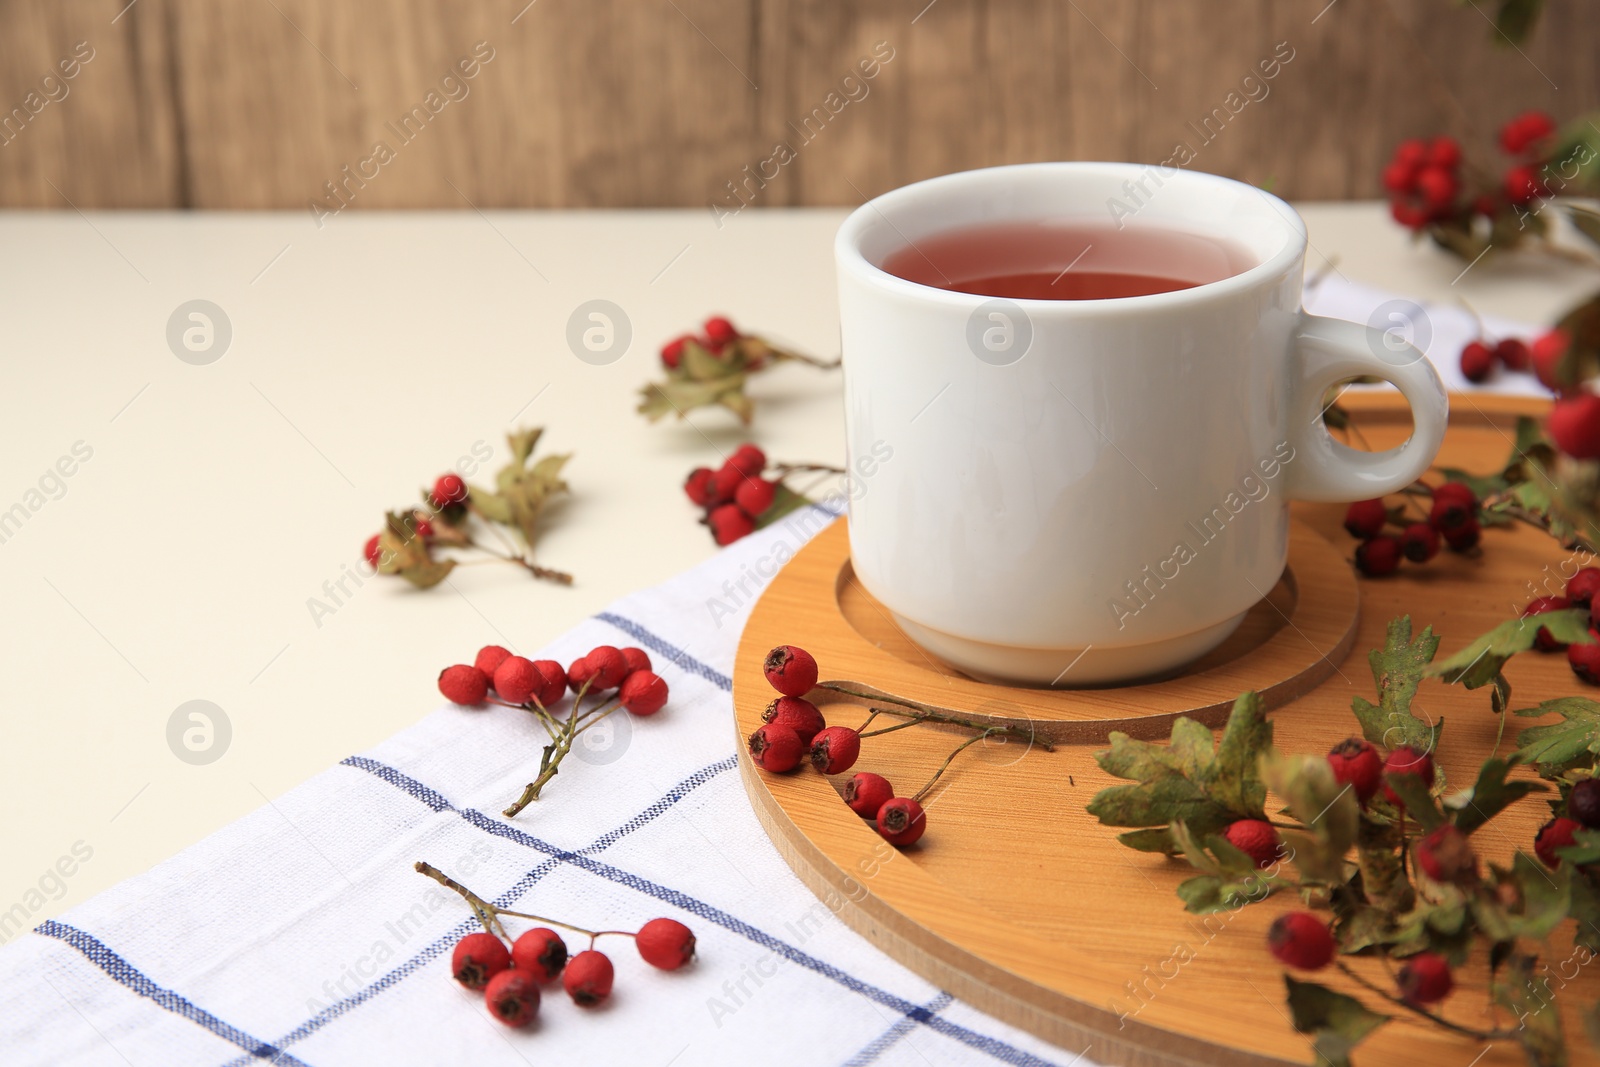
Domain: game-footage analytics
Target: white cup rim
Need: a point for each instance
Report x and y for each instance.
(850, 258)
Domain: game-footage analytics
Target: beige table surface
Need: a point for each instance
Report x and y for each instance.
(365, 358)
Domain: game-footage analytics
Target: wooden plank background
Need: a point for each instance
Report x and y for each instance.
(664, 103)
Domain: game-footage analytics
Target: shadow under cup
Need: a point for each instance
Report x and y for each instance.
(1082, 491)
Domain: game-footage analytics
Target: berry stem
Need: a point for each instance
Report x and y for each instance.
(921, 713)
(968, 743)
(783, 469)
(488, 912)
(1400, 1002)
(560, 744)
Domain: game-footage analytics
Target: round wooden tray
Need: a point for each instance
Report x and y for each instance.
(1019, 902)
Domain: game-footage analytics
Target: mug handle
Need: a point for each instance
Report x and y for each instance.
(1328, 351)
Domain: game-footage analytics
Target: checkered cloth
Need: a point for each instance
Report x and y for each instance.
(300, 935)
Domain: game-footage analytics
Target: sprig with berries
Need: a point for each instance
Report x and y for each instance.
(538, 687)
(419, 543)
(1394, 895)
(747, 493)
(794, 731)
(1469, 211)
(711, 369)
(509, 971)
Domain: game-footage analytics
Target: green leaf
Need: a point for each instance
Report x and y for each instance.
(522, 444)
(1546, 896)
(1158, 839)
(1337, 1022)
(1514, 20)
(1398, 669)
(1328, 810)
(1489, 795)
(1205, 894)
(1573, 740)
(1413, 792)
(1480, 662)
(1482, 485)
(1234, 777)
(1585, 220)
(1528, 996)
(491, 506)
(679, 396)
(1585, 847)
(784, 502)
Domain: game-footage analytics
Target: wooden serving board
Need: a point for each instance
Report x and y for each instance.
(1021, 903)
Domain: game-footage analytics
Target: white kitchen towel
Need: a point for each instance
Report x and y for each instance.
(301, 936)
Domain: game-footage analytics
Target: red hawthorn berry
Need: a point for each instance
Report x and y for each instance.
(587, 978)
(1379, 556)
(489, 659)
(1524, 185)
(725, 482)
(1546, 353)
(790, 670)
(1585, 659)
(1407, 760)
(643, 693)
(1446, 856)
(1477, 362)
(555, 681)
(1399, 178)
(697, 487)
(1356, 763)
(1553, 835)
(665, 943)
(729, 523)
(516, 679)
(1453, 504)
(1582, 586)
(1425, 979)
(1543, 640)
(1463, 537)
(1574, 425)
(512, 997)
(1365, 518)
(1408, 215)
(539, 952)
(449, 489)
(719, 330)
(1512, 352)
(748, 460)
(867, 793)
(478, 958)
(1419, 542)
(609, 666)
(462, 684)
(1412, 151)
(754, 496)
(672, 351)
(1301, 940)
(1256, 839)
(901, 821)
(776, 748)
(1444, 152)
(637, 659)
(580, 672)
(835, 749)
(424, 529)
(1525, 130)
(1438, 187)
(371, 550)
(1583, 803)
(799, 715)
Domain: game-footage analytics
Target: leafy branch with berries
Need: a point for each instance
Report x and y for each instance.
(537, 687)
(1384, 861)
(711, 369)
(420, 544)
(739, 498)
(509, 971)
(794, 731)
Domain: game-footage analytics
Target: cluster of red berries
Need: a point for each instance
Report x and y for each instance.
(716, 334)
(1579, 593)
(1301, 940)
(1452, 518)
(1424, 178)
(734, 495)
(1583, 813)
(1479, 358)
(509, 978)
(793, 730)
(524, 682)
(448, 499)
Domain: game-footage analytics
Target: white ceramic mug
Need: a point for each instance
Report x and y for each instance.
(1088, 491)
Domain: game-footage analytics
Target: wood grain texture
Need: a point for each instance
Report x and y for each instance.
(1019, 902)
(657, 103)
